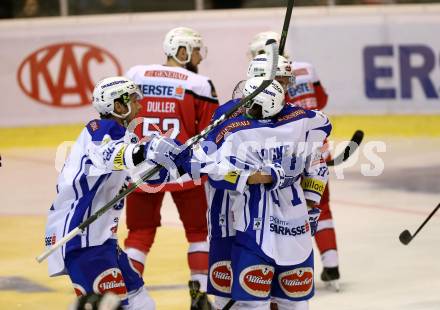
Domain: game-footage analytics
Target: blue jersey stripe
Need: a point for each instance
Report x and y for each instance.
(76, 176)
(245, 208)
(216, 207)
(327, 129)
(227, 215)
(263, 217)
(254, 203)
(85, 189)
(240, 164)
(76, 199)
(84, 203)
(295, 197)
(63, 248)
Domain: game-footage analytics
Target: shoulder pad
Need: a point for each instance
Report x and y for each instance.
(98, 128)
(224, 108)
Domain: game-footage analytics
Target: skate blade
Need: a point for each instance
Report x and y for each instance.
(333, 285)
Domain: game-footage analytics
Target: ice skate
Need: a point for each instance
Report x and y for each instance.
(199, 300)
(330, 276)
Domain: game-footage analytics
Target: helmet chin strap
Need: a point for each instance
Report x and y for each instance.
(123, 116)
(251, 113)
(180, 61)
(188, 58)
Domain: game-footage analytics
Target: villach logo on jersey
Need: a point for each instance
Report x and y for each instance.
(61, 75)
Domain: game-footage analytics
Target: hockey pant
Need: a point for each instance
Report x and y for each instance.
(282, 304)
(257, 281)
(106, 268)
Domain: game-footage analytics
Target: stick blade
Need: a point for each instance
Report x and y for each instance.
(358, 136)
(352, 146)
(405, 237)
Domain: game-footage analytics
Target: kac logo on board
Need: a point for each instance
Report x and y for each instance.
(401, 72)
(63, 75)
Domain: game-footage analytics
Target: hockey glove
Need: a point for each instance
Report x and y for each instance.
(162, 150)
(169, 153)
(183, 155)
(283, 175)
(314, 214)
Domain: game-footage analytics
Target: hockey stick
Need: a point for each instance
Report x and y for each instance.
(286, 24)
(405, 236)
(238, 89)
(283, 39)
(228, 306)
(349, 149)
(272, 52)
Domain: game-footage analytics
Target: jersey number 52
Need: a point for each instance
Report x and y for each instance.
(155, 122)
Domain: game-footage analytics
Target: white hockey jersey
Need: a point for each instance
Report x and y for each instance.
(93, 174)
(275, 221)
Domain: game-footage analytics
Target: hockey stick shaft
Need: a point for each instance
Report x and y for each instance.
(349, 149)
(272, 51)
(228, 306)
(426, 221)
(59, 244)
(286, 24)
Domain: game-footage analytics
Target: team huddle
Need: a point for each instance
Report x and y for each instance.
(251, 196)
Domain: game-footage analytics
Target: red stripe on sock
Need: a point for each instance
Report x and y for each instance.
(326, 240)
(198, 261)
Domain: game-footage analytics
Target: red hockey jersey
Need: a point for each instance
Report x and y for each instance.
(174, 98)
(307, 92)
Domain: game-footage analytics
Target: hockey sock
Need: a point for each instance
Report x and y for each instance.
(198, 263)
(137, 259)
(326, 242)
(140, 239)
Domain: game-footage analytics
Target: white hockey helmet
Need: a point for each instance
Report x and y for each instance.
(182, 37)
(271, 99)
(110, 89)
(258, 42)
(259, 63)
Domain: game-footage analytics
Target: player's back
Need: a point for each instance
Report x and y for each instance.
(289, 116)
(281, 214)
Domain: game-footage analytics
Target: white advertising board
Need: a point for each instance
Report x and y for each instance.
(371, 60)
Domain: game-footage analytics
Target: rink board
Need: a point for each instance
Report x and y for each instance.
(371, 59)
(343, 127)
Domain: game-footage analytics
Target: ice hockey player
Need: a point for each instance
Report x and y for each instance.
(283, 75)
(260, 234)
(308, 93)
(179, 99)
(96, 169)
